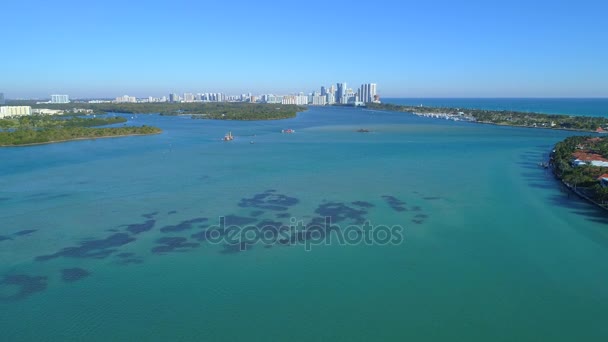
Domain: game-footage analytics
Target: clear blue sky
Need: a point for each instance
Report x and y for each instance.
(410, 48)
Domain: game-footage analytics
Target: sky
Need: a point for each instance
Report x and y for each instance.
(432, 48)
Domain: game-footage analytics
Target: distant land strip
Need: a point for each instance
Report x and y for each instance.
(503, 118)
(211, 110)
(57, 135)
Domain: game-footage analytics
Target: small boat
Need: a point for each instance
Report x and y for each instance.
(363, 130)
(288, 131)
(228, 137)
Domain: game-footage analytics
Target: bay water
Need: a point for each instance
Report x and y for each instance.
(101, 238)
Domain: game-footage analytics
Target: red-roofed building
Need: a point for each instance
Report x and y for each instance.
(603, 179)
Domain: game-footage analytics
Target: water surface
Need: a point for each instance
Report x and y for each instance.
(98, 235)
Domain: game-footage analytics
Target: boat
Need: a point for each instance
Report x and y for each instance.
(363, 130)
(288, 131)
(228, 137)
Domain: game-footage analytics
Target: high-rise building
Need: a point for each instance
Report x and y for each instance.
(319, 100)
(188, 97)
(364, 93)
(125, 99)
(367, 92)
(1, 98)
(173, 97)
(323, 91)
(60, 99)
(372, 92)
(6, 111)
(341, 93)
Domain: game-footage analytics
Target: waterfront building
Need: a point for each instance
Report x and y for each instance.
(341, 93)
(319, 100)
(46, 111)
(60, 99)
(6, 111)
(323, 91)
(364, 94)
(273, 99)
(288, 99)
(372, 92)
(348, 96)
(302, 100)
(330, 99)
(126, 99)
(295, 100)
(188, 97)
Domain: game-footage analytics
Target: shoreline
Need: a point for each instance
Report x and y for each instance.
(520, 126)
(580, 194)
(83, 138)
(575, 190)
(485, 122)
(565, 122)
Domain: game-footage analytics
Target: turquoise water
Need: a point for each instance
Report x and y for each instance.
(571, 106)
(493, 248)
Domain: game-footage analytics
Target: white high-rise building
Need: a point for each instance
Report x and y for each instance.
(319, 100)
(288, 100)
(188, 97)
(125, 99)
(302, 100)
(372, 91)
(6, 111)
(60, 99)
(367, 92)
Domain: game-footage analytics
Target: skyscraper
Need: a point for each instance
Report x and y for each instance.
(60, 99)
(1, 98)
(173, 97)
(341, 93)
(188, 97)
(323, 91)
(372, 92)
(364, 93)
(367, 92)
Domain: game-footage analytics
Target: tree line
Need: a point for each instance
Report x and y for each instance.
(506, 117)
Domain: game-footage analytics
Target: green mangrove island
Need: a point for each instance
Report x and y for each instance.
(198, 110)
(505, 117)
(34, 129)
(581, 163)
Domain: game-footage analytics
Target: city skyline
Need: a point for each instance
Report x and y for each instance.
(338, 93)
(430, 49)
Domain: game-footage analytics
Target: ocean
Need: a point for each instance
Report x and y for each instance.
(105, 240)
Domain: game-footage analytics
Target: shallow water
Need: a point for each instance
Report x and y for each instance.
(493, 248)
